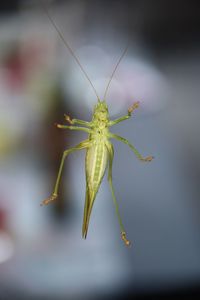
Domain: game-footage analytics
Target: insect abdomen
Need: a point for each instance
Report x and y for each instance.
(96, 162)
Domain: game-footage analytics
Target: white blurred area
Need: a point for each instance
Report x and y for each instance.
(136, 79)
(44, 254)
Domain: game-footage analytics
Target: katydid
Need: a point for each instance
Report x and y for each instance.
(99, 149)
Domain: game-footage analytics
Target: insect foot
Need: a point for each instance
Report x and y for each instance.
(133, 107)
(68, 119)
(58, 125)
(48, 200)
(126, 241)
(148, 158)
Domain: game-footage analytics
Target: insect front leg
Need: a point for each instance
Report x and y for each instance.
(111, 155)
(77, 121)
(138, 155)
(130, 110)
(82, 145)
(73, 128)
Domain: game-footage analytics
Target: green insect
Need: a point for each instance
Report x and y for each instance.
(99, 149)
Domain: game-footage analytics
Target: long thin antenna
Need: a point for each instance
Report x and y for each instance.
(115, 69)
(68, 47)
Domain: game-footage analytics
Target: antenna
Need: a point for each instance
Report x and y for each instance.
(115, 69)
(69, 48)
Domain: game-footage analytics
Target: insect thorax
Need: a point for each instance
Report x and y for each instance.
(100, 115)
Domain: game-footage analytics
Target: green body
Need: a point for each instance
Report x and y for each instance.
(99, 156)
(96, 159)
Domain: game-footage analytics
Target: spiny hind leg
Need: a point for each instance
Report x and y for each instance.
(55, 192)
(111, 154)
(82, 145)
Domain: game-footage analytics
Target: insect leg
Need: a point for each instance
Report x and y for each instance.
(73, 128)
(139, 156)
(130, 110)
(77, 121)
(110, 155)
(54, 195)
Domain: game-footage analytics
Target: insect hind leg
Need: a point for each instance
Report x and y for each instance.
(55, 192)
(111, 154)
(82, 145)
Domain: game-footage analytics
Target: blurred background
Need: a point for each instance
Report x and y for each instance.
(42, 254)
